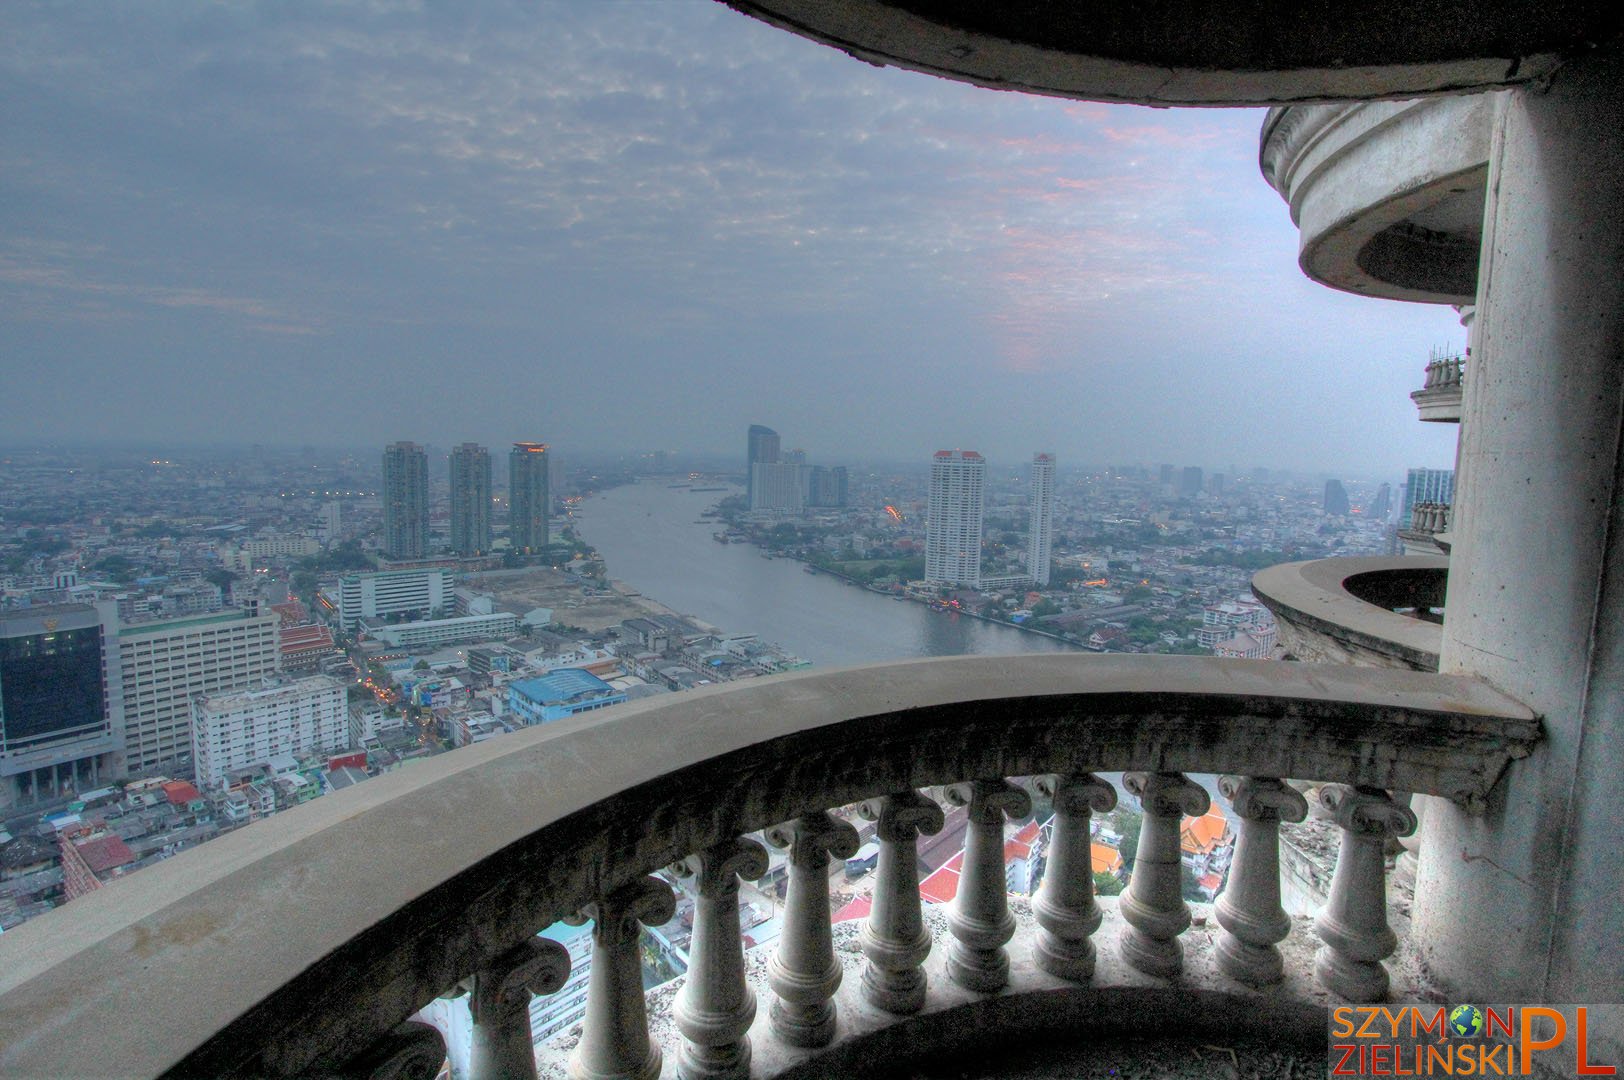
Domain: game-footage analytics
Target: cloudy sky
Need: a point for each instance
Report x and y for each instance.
(638, 225)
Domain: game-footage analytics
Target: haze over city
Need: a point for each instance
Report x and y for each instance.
(628, 226)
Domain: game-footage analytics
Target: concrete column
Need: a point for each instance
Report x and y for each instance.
(1520, 902)
(500, 1005)
(979, 919)
(804, 972)
(615, 1042)
(1249, 910)
(894, 940)
(715, 1006)
(1065, 908)
(1154, 906)
(1353, 925)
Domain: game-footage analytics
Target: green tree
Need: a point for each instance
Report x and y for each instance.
(1107, 884)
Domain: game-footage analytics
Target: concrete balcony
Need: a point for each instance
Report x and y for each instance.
(1388, 195)
(1378, 612)
(304, 942)
(1439, 399)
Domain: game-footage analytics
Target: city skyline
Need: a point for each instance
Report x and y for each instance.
(354, 212)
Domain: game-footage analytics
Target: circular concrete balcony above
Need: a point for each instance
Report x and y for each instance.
(1346, 610)
(1388, 195)
(1195, 52)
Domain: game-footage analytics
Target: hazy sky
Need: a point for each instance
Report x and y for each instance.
(639, 225)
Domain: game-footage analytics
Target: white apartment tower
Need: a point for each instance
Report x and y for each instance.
(953, 518)
(251, 727)
(1041, 509)
(167, 662)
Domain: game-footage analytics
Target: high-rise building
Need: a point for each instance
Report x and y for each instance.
(760, 449)
(61, 710)
(1040, 508)
(405, 501)
(167, 662)
(419, 594)
(1190, 481)
(778, 485)
(1336, 499)
(953, 518)
(1165, 476)
(250, 727)
(1382, 505)
(795, 457)
(529, 497)
(1425, 486)
(827, 486)
(1215, 484)
(470, 499)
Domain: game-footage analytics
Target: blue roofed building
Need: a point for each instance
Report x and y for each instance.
(560, 693)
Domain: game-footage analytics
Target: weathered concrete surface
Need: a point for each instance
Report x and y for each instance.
(349, 913)
(1322, 617)
(1530, 892)
(1186, 52)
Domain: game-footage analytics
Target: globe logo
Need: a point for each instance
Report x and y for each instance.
(1466, 1021)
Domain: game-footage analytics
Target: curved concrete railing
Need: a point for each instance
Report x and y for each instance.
(1181, 53)
(1388, 195)
(286, 946)
(1343, 610)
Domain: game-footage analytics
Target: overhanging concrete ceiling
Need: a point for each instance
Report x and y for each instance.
(1198, 52)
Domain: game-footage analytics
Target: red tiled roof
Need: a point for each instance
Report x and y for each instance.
(179, 792)
(858, 908)
(943, 885)
(105, 853)
(1021, 844)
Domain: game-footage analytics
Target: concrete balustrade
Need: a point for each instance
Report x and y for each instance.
(615, 1042)
(1065, 905)
(1354, 924)
(1154, 904)
(1249, 910)
(894, 937)
(715, 1007)
(979, 919)
(341, 965)
(804, 972)
(500, 1004)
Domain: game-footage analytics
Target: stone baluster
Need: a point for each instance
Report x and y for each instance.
(804, 972)
(894, 938)
(1353, 925)
(715, 1006)
(979, 919)
(615, 1042)
(1249, 910)
(1154, 906)
(499, 1003)
(1065, 908)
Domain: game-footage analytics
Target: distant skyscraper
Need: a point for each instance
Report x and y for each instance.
(1382, 505)
(1336, 499)
(1190, 481)
(779, 485)
(1165, 474)
(1041, 510)
(953, 518)
(826, 486)
(405, 501)
(1426, 486)
(470, 499)
(1215, 483)
(761, 449)
(529, 497)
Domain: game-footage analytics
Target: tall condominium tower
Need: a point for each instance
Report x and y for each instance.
(529, 497)
(1041, 509)
(1425, 486)
(953, 518)
(470, 499)
(1382, 505)
(760, 449)
(1190, 483)
(405, 501)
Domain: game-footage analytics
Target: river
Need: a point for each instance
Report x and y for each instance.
(651, 538)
